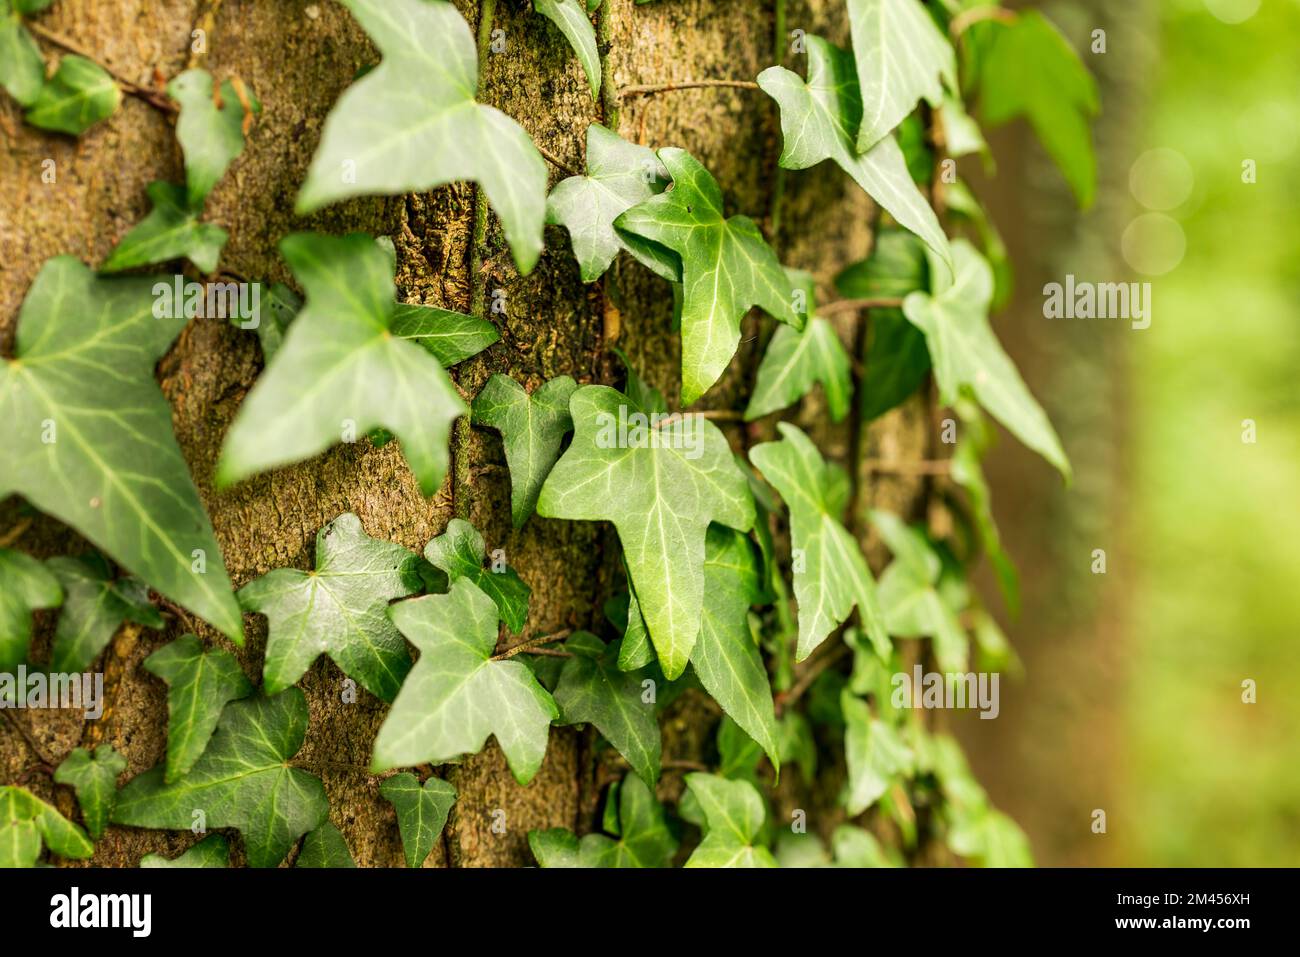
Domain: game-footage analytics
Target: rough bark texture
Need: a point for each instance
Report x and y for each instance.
(298, 57)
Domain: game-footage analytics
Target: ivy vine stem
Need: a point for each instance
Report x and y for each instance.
(15, 533)
(531, 645)
(856, 305)
(555, 161)
(963, 21)
(155, 98)
(652, 89)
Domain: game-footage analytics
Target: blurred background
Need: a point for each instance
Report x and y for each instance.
(1186, 440)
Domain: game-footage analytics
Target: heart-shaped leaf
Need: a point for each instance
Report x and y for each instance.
(421, 812)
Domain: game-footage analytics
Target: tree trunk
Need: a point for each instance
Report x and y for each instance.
(298, 57)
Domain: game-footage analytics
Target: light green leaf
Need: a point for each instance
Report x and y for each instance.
(818, 120)
(725, 657)
(341, 372)
(340, 610)
(200, 685)
(830, 574)
(421, 812)
(858, 847)
(531, 427)
(733, 813)
(26, 821)
(95, 606)
(976, 439)
(643, 838)
(412, 124)
(22, 70)
(212, 851)
(619, 175)
(876, 755)
(325, 848)
(991, 839)
(79, 95)
(555, 847)
(727, 267)
(171, 231)
(796, 745)
(592, 690)
(88, 439)
(456, 695)
(25, 585)
(635, 651)
(243, 780)
(901, 58)
(967, 356)
(661, 489)
(211, 135)
(571, 17)
(451, 337)
(459, 551)
(94, 778)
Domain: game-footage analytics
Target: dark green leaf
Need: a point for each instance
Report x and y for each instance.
(421, 812)
(325, 848)
(95, 606)
(459, 551)
(171, 231)
(212, 851)
(26, 821)
(25, 585)
(94, 778)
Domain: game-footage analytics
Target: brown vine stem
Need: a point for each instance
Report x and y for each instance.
(810, 673)
(651, 89)
(962, 22)
(155, 98)
(555, 161)
(531, 645)
(716, 415)
(855, 305)
(904, 467)
(15, 533)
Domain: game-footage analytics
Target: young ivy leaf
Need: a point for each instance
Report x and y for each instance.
(726, 267)
(412, 124)
(457, 695)
(212, 851)
(26, 822)
(325, 848)
(79, 414)
(661, 484)
(22, 70)
(94, 778)
(243, 780)
(818, 120)
(571, 17)
(901, 58)
(619, 175)
(171, 231)
(25, 585)
(967, 356)
(795, 360)
(733, 815)
(95, 606)
(201, 684)
(874, 752)
(421, 812)
(341, 371)
(830, 574)
(210, 129)
(643, 838)
(79, 95)
(725, 657)
(532, 428)
(592, 690)
(450, 337)
(976, 439)
(459, 551)
(339, 609)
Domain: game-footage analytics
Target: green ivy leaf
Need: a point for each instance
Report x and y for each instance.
(79, 95)
(726, 267)
(26, 821)
(280, 305)
(876, 755)
(171, 231)
(991, 839)
(619, 176)
(450, 337)
(94, 778)
(592, 690)
(200, 685)
(571, 17)
(966, 471)
(456, 695)
(643, 838)
(901, 58)
(243, 780)
(340, 364)
(412, 124)
(83, 378)
(858, 847)
(1027, 68)
(325, 848)
(796, 745)
(661, 500)
(818, 120)
(795, 360)
(459, 551)
(421, 812)
(25, 585)
(725, 657)
(22, 70)
(830, 574)
(532, 428)
(211, 135)
(95, 606)
(968, 358)
(733, 813)
(339, 609)
(212, 851)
